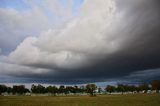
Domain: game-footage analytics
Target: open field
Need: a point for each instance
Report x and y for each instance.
(99, 100)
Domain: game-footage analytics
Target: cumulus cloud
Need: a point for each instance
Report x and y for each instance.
(74, 44)
(16, 25)
(109, 39)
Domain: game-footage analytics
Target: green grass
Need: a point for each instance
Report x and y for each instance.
(99, 100)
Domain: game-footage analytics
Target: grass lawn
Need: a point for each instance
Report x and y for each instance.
(99, 100)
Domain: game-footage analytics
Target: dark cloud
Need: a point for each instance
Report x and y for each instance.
(140, 52)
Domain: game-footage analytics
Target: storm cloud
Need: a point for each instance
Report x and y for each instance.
(109, 39)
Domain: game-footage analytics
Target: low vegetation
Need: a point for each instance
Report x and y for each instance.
(99, 100)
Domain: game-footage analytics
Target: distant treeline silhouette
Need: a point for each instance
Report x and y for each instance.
(89, 88)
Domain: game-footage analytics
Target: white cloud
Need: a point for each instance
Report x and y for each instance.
(76, 44)
(16, 25)
(92, 35)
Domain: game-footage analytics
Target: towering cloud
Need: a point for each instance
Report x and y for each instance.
(74, 45)
(108, 39)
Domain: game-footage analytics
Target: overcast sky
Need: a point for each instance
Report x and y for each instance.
(79, 41)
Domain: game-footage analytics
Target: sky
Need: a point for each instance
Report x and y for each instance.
(79, 41)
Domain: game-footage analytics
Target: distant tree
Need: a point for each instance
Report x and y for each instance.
(9, 89)
(68, 89)
(155, 85)
(41, 88)
(126, 88)
(52, 89)
(14, 89)
(144, 87)
(90, 88)
(38, 89)
(110, 88)
(61, 89)
(3, 88)
(20, 89)
(120, 88)
(132, 88)
(49, 89)
(26, 90)
(34, 88)
(82, 89)
(76, 89)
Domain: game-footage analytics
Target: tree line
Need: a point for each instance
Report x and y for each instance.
(40, 89)
(154, 85)
(16, 89)
(89, 88)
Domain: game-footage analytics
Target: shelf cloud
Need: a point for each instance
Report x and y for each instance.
(108, 39)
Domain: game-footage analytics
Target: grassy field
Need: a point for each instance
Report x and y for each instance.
(99, 100)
